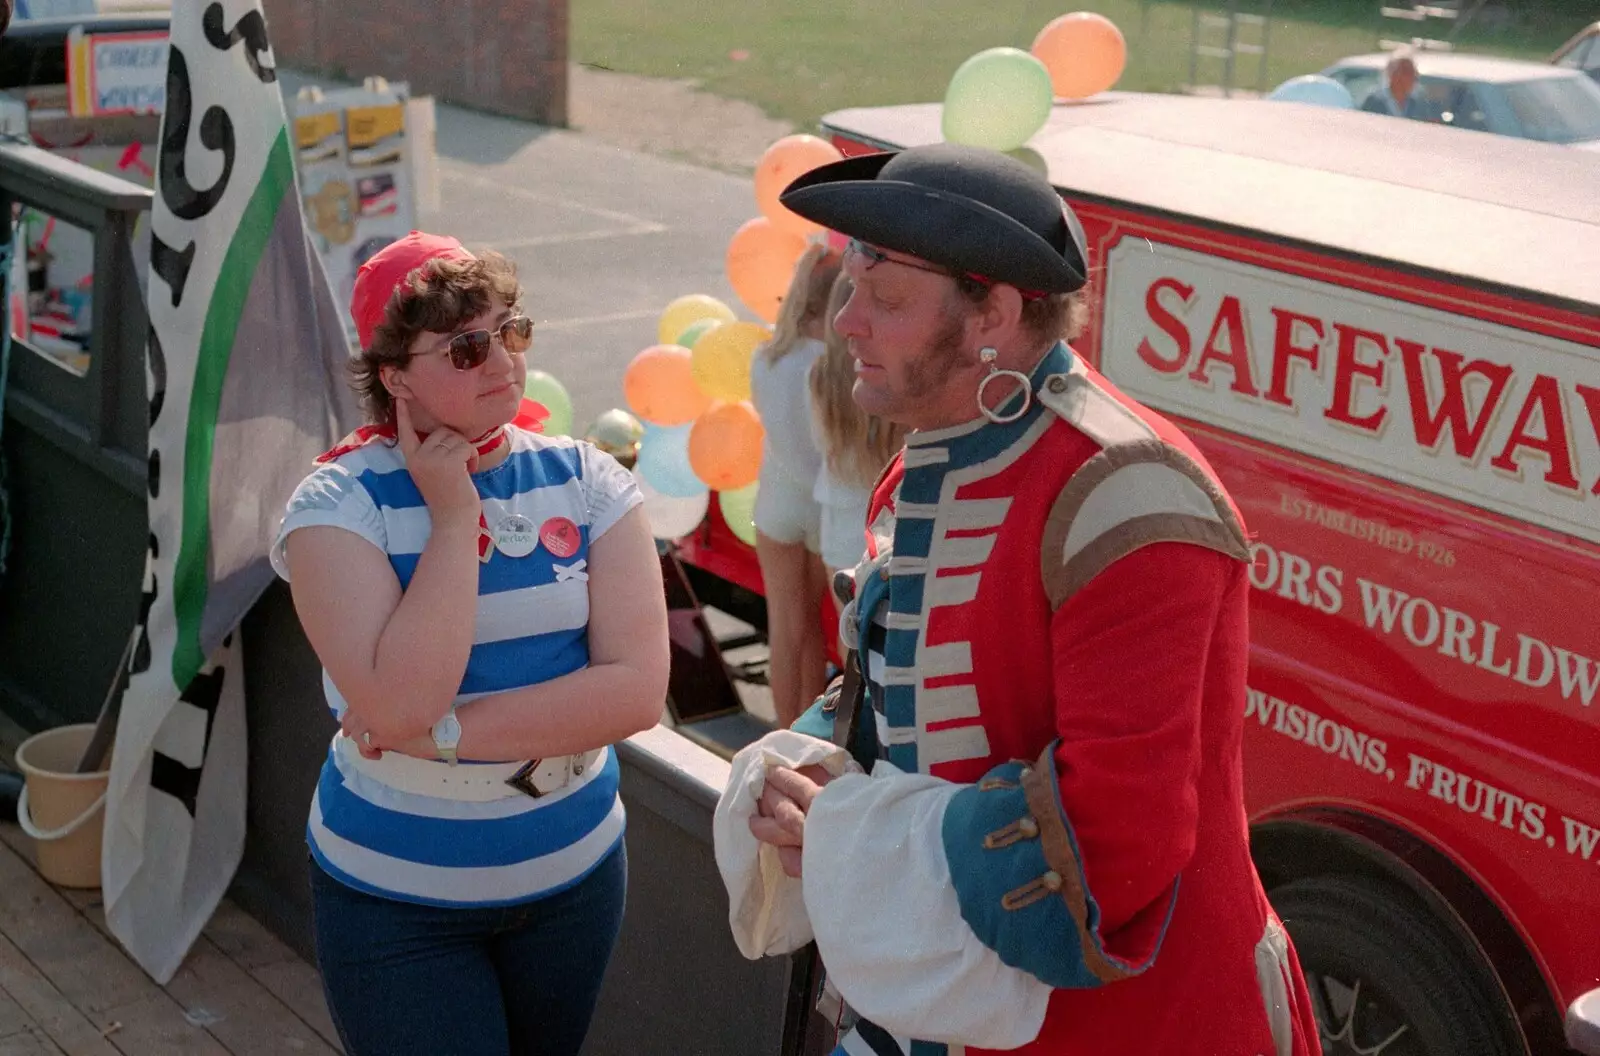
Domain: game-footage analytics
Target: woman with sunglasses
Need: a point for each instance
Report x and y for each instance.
(488, 609)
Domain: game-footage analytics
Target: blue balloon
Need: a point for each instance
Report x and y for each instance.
(1314, 90)
(664, 462)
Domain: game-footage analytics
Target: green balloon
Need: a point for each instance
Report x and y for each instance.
(696, 331)
(548, 391)
(997, 99)
(739, 510)
(1033, 159)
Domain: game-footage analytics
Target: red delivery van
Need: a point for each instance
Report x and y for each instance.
(1385, 335)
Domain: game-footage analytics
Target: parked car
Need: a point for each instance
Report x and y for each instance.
(1508, 97)
(1582, 52)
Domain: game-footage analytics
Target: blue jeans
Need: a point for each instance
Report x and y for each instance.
(520, 980)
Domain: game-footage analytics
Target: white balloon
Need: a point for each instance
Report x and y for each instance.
(669, 517)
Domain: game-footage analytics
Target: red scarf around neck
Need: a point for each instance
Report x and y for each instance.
(530, 416)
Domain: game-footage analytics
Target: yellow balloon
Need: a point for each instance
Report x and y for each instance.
(688, 310)
(720, 360)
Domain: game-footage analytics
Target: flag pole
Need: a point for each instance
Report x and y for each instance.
(105, 727)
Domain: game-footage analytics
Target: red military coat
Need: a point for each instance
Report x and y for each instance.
(1052, 617)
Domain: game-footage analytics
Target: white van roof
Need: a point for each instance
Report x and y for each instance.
(1496, 211)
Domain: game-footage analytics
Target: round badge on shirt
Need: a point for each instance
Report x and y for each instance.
(515, 536)
(560, 536)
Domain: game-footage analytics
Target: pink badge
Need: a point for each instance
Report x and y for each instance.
(560, 536)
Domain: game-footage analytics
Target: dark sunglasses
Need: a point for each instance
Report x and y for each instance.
(468, 351)
(875, 256)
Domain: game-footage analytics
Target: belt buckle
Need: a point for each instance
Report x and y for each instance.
(522, 780)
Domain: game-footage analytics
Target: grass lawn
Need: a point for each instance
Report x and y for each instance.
(800, 59)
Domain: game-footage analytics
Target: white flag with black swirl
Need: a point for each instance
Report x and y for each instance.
(245, 381)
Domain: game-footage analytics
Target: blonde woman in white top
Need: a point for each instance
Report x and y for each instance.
(787, 517)
(855, 445)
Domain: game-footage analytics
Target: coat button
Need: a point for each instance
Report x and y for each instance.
(883, 573)
(1028, 827)
(1052, 880)
(577, 768)
(1056, 384)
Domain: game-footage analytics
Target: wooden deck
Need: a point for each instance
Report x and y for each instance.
(68, 989)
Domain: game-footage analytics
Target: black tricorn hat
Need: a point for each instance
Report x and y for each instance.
(964, 208)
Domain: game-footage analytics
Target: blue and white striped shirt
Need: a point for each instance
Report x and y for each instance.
(531, 626)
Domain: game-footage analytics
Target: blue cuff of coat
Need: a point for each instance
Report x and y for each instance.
(819, 720)
(1019, 879)
(815, 722)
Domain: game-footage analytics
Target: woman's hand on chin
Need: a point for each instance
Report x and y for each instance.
(441, 466)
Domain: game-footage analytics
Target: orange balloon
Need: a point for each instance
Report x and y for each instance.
(784, 162)
(1083, 51)
(761, 259)
(660, 388)
(725, 446)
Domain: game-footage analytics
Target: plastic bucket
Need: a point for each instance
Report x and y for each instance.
(63, 811)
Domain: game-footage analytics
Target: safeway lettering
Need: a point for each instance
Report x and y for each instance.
(1475, 796)
(1446, 398)
(1581, 839)
(1334, 738)
(1500, 418)
(1479, 643)
(1428, 625)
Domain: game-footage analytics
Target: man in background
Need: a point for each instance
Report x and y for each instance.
(1397, 95)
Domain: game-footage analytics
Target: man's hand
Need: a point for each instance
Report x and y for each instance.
(781, 814)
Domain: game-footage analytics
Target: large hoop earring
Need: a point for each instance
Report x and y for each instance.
(988, 356)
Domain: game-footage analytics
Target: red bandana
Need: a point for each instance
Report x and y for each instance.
(531, 416)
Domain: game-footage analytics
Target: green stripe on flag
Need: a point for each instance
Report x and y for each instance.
(190, 577)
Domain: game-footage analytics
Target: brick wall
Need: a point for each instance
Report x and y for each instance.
(504, 56)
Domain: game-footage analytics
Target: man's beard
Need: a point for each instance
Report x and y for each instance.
(928, 371)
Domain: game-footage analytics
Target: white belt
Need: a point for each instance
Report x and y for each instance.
(466, 782)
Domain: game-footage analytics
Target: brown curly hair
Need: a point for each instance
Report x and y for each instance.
(439, 297)
(1056, 317)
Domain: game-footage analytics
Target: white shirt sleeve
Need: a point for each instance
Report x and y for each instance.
(609, 491)
(331, 495)
(887, 921)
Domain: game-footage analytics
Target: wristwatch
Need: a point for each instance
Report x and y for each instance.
(446, 735)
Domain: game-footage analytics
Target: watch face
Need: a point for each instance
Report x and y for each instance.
(447, 731)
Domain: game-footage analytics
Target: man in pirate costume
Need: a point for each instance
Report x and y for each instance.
(1049, 853)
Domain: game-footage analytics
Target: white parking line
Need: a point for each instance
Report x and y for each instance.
(587, 320)
(575, 236)
(468, 176)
